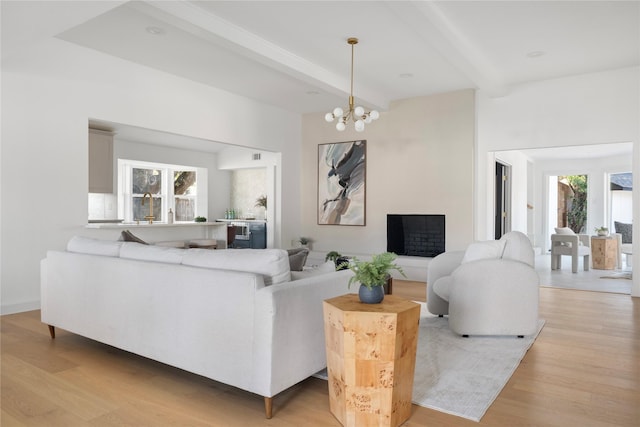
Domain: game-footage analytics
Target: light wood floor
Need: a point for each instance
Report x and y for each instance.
(583, 370)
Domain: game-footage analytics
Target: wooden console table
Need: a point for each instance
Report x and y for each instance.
(604, 252)
(371, 354)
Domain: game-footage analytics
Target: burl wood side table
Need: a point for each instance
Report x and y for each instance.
(604, 252)
(371, 355)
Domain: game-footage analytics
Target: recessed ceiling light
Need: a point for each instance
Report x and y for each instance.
(156, 31)
(535, 54)
(405, 75)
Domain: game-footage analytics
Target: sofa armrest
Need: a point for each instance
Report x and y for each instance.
(288, 334)
(441, 266)
(561, 239)
(585, 239)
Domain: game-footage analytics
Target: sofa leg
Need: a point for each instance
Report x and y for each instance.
(465, 336)
(520, 336)
(268, 406)
(52, 331)
(440, 315)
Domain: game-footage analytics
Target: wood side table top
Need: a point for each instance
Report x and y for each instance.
(390, 304)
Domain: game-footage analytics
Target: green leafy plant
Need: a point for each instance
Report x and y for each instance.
(603, 228)
(261, 202)
(332, 256)
(304, 240)
(373, 273)
(577, 203)
(200, 219)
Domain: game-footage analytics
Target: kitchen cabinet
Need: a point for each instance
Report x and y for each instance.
(100, 161)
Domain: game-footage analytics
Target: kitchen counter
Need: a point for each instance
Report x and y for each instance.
(155, 224)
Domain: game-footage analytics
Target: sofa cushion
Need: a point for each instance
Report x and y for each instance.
(87, 245)
(273, 264)
(297, 258)
(625, 229)
(327, 267)
(484, 250)
(144, 252)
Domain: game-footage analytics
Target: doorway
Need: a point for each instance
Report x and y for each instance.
(572, 203)
(502, 216)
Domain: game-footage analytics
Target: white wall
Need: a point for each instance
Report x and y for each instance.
(48, 94)
(587, 109)
(419, 161)
(621, 207)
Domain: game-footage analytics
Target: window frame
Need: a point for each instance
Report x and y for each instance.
(168, 198)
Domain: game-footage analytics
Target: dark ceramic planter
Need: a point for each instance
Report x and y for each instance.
(375, 295)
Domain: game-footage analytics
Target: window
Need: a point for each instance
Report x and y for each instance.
(151, 189)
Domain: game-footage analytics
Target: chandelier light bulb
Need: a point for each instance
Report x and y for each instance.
(358, 114)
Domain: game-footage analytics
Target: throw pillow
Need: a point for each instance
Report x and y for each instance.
(625, 229)
(564, 230)
(128, 236)
(484, 250)
(297, 258)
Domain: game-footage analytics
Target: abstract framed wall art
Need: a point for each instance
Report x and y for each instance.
(342, 183)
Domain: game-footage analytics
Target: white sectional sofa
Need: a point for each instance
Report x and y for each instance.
(234, 316)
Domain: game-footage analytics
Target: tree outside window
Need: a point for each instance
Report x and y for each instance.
(574, 208)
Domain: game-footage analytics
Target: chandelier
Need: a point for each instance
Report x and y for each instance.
(355, 114)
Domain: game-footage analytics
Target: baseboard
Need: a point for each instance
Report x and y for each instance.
(19, 308)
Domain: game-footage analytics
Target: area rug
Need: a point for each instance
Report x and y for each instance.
(622, 275)
(463, 376)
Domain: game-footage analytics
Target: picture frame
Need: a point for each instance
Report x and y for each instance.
(342, 174)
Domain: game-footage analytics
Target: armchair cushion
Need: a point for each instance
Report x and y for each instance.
(484, 250)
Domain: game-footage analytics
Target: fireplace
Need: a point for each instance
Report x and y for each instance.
(415, 235)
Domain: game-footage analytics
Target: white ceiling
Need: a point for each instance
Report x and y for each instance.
(294, 55)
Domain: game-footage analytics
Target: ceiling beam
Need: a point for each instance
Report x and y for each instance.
(199, 22)
(428, 20)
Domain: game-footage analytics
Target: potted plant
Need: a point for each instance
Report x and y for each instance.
(338, 259)
(372, 275)
(304, 242)
(261, 202)
(602, 231)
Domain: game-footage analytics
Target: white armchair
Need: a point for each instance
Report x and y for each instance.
(573, 245)
(489, 289)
